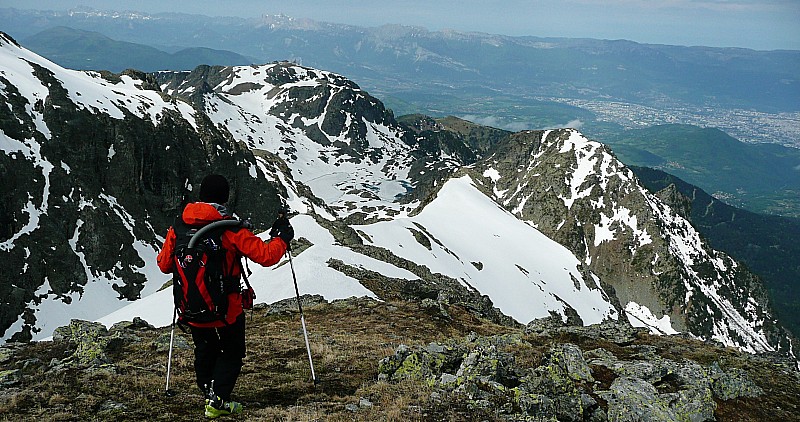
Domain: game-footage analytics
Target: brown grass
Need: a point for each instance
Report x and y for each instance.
(347, 341)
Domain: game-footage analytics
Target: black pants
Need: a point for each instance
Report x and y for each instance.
(218, 354)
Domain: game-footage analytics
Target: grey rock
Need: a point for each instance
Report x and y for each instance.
(9, 378)
(600, 355)
(434, 348)
(29, 364)
(617, 332)
(634, 400)
(647, 386)
(6, 354)
(89, 340)
(117, 339)
(544, 326)
(436, 308)
(446, 379)
(288, 306)
(550, 392)
(649, 371)
(694, 405)
(161, 343)
(110, 405)
(570, 358)
(732, 384)
(689, 395)
(136, 324)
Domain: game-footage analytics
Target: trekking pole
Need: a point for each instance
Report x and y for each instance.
(167, 391)
(302, 318)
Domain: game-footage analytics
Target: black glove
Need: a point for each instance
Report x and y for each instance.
(283, 229)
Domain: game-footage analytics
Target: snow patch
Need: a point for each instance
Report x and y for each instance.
(640, 316)
(504, 244)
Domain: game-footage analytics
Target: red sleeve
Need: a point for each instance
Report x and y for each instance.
(165, 261)
(261, 252)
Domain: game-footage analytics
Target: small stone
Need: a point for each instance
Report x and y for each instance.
(10, 378)
(161, 343)
(434, 348)
(446, 379)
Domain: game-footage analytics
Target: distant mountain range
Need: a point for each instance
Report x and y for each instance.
(422, 62)
(88, 50)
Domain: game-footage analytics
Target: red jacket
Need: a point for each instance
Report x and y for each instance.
(236, 244)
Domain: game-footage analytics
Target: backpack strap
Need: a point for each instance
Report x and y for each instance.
(248, 294)
(219, 224)
(245, 273)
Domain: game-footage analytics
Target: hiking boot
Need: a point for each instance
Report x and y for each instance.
(218, 407)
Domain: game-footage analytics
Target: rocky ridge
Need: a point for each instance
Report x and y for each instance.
(94, 180)
(575, 191)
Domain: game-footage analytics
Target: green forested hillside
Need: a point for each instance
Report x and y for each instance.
(763, 178)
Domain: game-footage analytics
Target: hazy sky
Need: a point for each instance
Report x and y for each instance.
(758, 24)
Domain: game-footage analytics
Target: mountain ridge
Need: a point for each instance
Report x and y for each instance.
(335, 154)
(88, 50)
(763, 242)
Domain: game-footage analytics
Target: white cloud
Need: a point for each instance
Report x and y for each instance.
(517, 126)
(498, 122)
(574, 124)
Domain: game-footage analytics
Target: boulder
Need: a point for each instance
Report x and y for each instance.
(88, 339)
(732, 384)
(633, 399)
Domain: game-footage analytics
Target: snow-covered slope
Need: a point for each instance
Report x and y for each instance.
(91, 164)
(25, 91)
(474, 240)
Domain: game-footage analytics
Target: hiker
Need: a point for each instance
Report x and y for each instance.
(219, 346)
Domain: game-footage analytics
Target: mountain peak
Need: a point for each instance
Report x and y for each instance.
(575, 191)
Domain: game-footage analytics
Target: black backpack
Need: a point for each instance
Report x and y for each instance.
(200, 285)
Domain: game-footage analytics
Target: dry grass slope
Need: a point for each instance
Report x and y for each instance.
(348, 338)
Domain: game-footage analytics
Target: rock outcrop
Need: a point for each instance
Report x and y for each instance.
(569, 383)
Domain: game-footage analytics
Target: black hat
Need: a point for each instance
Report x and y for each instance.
(214, 189)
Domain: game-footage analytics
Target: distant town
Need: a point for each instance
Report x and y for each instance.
(745, 125)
